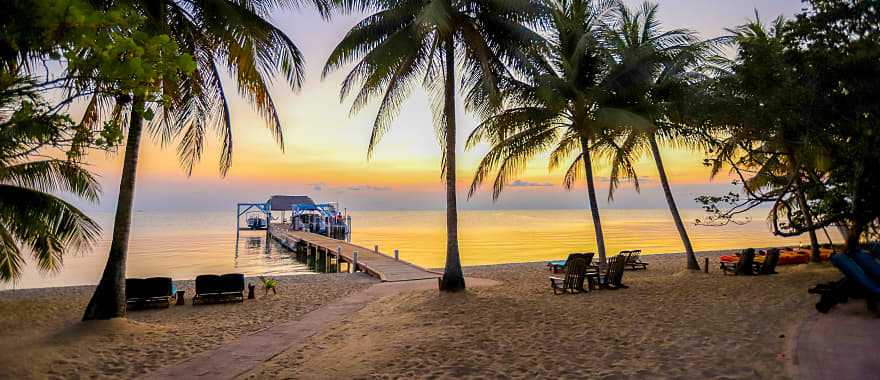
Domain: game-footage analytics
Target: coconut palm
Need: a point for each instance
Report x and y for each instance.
(231, 36)
(31, 218)
(766, 130)
(555, 107)
(652, 77)
(406, 41)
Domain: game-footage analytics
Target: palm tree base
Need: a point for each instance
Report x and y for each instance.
(449, 283)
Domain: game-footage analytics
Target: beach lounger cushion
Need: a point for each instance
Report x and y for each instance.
(143, 291)
(211, 287)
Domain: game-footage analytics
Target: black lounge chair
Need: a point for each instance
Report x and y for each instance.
(142, 292)
(861, 280)
(575, 273)
(771, 258)
(214, 288)
(633, 261)
(745, 266)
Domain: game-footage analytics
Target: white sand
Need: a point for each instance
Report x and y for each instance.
(668, 324)
(43, 338)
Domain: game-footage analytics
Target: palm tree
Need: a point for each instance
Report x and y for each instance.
(30, 216)
(218, 35)
(405, 41)
(555, 107)
(651, 78)
(770, 140)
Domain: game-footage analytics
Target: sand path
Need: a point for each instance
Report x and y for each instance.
(839, 345)
(235, 359)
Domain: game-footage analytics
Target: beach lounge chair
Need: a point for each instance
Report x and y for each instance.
(141, 292)
(633, 261)
(745, 266)
(214, 288)
(861, 280)
(612, 276)
(771, 259)
(558, 266)
(575, 273)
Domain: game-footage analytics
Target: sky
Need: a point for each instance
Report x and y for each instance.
(324, 154)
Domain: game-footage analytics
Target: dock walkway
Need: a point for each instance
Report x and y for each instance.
(329, 254)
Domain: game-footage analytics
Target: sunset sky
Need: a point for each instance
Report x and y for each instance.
(325, 148)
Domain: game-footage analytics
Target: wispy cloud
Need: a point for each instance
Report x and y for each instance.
(368, 188)
(317, 186)
(521, 183)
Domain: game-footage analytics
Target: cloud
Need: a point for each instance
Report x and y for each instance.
(521, 183)
(369, 188)
(317, 186)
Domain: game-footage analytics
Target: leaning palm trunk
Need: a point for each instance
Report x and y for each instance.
(108, 301)
(808, 217)
(453, 279)
(692, 263)
(594, 206)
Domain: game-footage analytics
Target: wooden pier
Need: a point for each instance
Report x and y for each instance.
(325, 254)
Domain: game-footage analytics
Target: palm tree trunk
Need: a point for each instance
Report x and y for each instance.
(808, 216)
(108, 301)
(453, 279)
(591, 195)
(692, 263)
(805, 207)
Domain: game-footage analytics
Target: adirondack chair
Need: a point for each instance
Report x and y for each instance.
(745, 266)
(573, 282)
(612, 278)
(633, 261)
(558, 266)
(771, 258)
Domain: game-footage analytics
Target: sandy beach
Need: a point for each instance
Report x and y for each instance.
(668, 324)
(43, 338)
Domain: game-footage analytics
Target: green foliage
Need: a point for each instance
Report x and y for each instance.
(797, 111)
(269, 284)
(402, 45)
(31, 219)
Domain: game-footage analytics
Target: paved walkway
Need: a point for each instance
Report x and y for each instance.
(234, 359)
(843, 344)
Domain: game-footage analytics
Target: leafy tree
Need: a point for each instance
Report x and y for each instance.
(31, 217)
(836, 48)
(797, 126)
(406, 41)
(186, 103)
(40, 145)
(557, 107)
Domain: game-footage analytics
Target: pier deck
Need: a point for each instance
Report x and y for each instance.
(377, 264)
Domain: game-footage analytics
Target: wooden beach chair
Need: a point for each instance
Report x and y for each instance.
(771, 259)
(612, 276)
(142, 292)
(558, 266)
(745, 266)
(633, 261)
(213, 288)
(575, 273)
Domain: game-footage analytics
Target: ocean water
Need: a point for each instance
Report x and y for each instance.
(185, 244)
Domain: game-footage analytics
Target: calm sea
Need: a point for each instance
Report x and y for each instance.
(185, 244)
